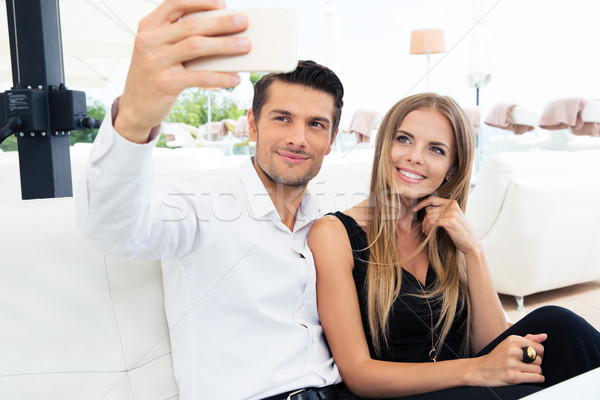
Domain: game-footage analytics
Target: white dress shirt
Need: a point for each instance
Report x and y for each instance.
(239, 285)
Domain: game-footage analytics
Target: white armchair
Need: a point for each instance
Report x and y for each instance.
(538, 217)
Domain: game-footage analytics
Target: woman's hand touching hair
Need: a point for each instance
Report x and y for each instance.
(448, 215)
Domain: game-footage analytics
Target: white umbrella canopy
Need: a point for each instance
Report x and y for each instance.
(97, 36)
(482, 53)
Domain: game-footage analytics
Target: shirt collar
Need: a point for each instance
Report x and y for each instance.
(260, 203)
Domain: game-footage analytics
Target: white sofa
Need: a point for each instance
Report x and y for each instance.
(538, 217)
(77, 323)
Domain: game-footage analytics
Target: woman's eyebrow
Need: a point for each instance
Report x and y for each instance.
(439, 144)
(431, 143)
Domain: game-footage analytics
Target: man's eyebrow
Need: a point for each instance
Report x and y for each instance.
(322, 119)
(280, 112)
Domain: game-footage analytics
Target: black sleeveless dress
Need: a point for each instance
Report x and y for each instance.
(410, 318)
(572, 347)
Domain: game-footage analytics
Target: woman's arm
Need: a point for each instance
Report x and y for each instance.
(340, 316)
(488, 318)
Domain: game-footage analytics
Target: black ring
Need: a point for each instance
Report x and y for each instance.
(529, 354)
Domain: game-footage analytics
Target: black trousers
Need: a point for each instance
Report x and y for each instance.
(572, 348)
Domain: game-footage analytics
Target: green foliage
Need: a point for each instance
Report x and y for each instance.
(255, 77)
(162, 141)
(192, 105)
(10, 144)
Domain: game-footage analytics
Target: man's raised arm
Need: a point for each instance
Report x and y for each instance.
(114, 206)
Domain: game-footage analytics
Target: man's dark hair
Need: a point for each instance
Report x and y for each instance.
(309, 74)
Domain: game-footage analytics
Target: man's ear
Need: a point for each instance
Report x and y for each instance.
(251, 126)
(331, 142)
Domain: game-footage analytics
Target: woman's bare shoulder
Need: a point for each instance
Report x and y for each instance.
(328, 235)
(327, 225)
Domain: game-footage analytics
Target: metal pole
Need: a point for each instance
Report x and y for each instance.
(428, 71)
(209, 111)
(37, 69)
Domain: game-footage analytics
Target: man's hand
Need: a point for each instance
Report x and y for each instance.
(157, 76)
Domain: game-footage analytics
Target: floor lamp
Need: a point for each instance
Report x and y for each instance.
(427, 41)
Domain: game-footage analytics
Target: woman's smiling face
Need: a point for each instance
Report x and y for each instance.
(422, 153)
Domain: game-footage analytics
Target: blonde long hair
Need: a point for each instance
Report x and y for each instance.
(384, 277)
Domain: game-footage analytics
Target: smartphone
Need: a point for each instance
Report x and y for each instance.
(273, 33)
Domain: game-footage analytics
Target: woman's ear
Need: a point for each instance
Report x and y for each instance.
(450, 172)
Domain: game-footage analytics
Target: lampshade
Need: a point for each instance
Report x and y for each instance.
(427, 41)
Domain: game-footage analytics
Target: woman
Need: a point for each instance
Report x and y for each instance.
(404, 292)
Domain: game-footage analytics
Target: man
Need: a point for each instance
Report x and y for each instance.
(239, 279)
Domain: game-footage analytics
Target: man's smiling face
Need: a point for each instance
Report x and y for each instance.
(293, 134)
